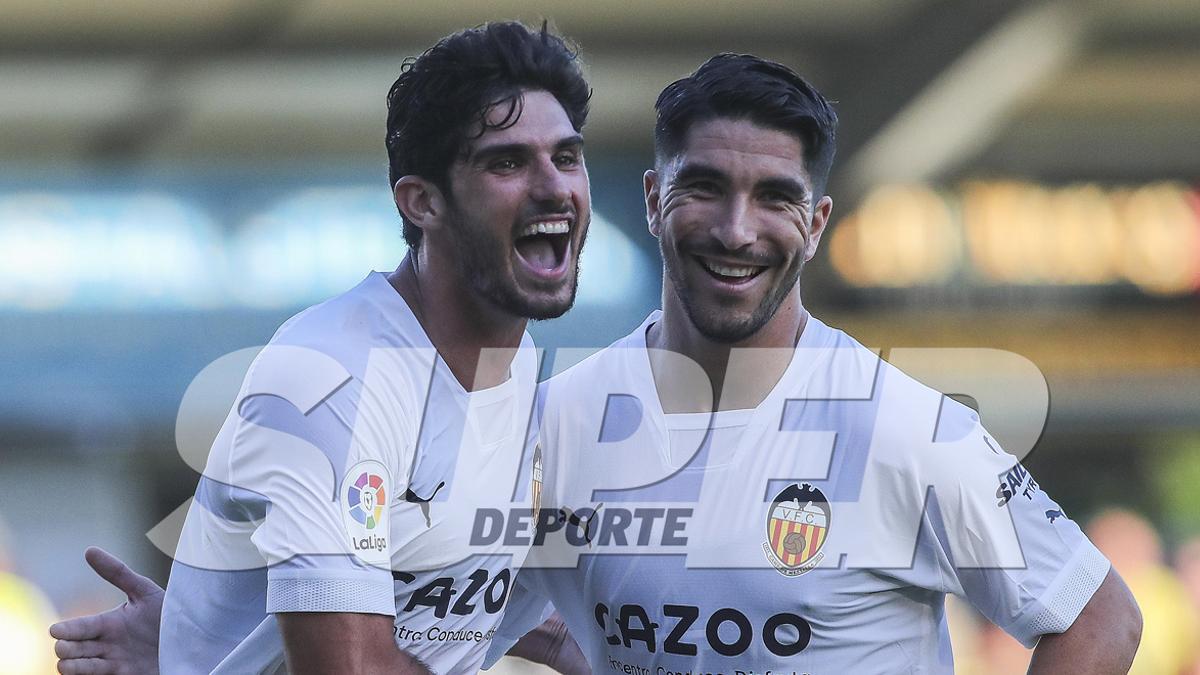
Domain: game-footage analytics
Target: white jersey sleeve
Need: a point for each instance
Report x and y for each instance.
(323, 464)
(329, 489)
(1002, 542)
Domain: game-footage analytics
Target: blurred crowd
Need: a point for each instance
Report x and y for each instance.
(1167, 590)
(25, 615)
(1166, 587)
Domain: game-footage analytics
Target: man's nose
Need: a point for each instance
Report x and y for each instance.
(736, 228)
(550, 184)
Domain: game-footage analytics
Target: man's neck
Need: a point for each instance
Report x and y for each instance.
(476, 340)
(740, 374)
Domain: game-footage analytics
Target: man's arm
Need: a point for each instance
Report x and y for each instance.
(342, 642)
(552, 645)
(1103, 639)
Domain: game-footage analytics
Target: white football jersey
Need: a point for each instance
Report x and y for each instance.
(817, 533)
(347, 478)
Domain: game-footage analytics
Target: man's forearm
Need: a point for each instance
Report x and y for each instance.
(1103, 639)
(317, 642)
(387, 659)
(550, 644)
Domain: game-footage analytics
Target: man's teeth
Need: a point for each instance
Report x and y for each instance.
(729, 270)
(552, 227)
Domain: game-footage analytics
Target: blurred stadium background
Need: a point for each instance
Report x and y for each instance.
(178, 178)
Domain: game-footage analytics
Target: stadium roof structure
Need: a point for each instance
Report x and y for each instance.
(928, 89)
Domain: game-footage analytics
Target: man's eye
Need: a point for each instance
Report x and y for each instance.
(503, 165)
(567, 159)
(707, 187)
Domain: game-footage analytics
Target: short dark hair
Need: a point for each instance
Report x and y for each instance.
(447, 92)
(742, 86)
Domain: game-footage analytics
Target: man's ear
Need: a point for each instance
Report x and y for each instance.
(653, 213)
(421, 202)
(820, 220)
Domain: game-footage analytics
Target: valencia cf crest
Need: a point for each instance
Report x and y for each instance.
(537, 480)
(797, 525)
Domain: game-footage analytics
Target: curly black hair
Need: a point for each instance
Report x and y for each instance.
(442, 98)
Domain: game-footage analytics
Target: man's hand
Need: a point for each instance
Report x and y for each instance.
(123, 640)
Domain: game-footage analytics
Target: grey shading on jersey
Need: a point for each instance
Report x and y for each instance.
(432, 476)
(853, 420)
(325, 427)
(622, 416)
(230, 502)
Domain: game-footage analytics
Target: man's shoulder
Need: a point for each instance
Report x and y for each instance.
(604, 365)
(369, 316)
(321, 348)
(895, 414)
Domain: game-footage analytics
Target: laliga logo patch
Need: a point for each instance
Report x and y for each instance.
(797, 525)
(366, 499)
(364, 496)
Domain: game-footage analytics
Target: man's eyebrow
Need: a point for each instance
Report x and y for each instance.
(788, 186)
(785, 184)
(500, 149)
(693, 171)
(575, 141)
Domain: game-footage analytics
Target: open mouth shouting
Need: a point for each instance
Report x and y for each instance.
(544, 248)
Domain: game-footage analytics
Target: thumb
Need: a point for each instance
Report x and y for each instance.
(113, 570)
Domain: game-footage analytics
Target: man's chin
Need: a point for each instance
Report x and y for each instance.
(544, 313)
(539, 306)
(540, 309)
(727, 333)
(722, 327)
